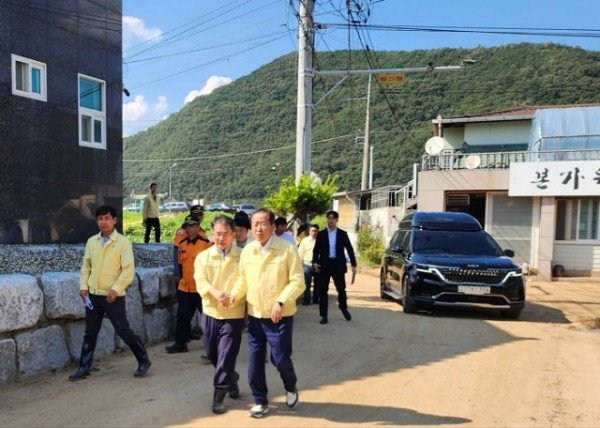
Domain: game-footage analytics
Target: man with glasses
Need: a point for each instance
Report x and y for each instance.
(271, 279)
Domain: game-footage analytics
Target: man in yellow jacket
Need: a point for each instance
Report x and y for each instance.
(271, 279)
(215, 272)
(106, 272)
(150, 211)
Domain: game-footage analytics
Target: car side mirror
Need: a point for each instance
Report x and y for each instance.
(397, 249)
(509, 253)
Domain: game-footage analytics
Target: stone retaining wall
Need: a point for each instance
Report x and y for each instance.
(42, 317)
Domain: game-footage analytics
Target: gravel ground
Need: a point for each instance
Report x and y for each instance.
(40, 259)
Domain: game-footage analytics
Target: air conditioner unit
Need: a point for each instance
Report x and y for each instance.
(458, 200)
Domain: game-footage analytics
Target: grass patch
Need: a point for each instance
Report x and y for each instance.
(169, 223)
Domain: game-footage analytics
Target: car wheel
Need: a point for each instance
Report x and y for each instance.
(382, 286)
(513, 315)
(408, 304)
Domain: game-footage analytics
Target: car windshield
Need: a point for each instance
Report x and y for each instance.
(458, 243)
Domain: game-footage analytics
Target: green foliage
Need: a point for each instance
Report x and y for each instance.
(258, 112)
(307, 199)
(369, 243)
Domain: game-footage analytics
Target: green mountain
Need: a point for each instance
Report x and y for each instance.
(257, 113)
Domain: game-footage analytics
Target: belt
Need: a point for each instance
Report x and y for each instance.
(332, 259)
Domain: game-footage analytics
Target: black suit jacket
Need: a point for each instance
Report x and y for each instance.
(321, 250)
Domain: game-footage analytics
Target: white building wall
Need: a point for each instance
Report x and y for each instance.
(577, 259)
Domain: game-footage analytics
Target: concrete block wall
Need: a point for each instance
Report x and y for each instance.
(41, 319)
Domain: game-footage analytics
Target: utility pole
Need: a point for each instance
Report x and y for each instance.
(371, 167)
(365, 162)
(305, 79)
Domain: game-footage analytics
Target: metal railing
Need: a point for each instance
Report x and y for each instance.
(451, 160)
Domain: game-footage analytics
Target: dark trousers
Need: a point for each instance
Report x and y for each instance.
(309, 274)
(115, 312)
(338, 275)
(150, 223)
(187, 304)
(222, 339)
(279, 336)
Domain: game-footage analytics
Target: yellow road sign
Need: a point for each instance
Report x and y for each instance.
(391, 78)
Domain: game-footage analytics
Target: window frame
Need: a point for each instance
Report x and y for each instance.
(43, 95)
(573, 217)
(93, 114)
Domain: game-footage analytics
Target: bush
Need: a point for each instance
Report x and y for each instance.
(370, 244)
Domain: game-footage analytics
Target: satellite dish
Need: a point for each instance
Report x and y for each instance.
(435, 145)
(472, 162)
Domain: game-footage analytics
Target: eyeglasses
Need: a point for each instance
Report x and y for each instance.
(261, 224)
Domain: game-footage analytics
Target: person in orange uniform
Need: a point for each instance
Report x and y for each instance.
(188, 298)
(180, 235)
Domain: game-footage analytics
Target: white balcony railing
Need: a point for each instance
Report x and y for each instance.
(451, 160)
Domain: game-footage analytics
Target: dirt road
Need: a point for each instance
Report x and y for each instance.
(382, 368)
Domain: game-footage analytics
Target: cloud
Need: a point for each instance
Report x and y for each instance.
(211, 84)
(140, 114)
(136, 31)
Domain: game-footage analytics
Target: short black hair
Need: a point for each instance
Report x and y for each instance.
(223, 219)
(315, 226)
(266, 211)
(333, 213)
(153, 184)
(281, 221)
(106, 209)
(241, 219)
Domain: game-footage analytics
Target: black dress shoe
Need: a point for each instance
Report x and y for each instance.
(305, 303)
(143, 368)
(323, 321)
(234, 390)
(176, 348)
(218, 406)
(81, 373)
(347, 315)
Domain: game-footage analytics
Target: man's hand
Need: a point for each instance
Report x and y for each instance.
(317, 267)
(223, 298)
(83, 294)
(276, 313)
(112, 296)
(354, 270)
(144, 222)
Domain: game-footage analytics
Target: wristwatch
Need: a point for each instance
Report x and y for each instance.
(280, 304)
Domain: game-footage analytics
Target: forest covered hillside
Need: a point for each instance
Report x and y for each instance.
(257, 114)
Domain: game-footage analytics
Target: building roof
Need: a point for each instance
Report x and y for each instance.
(522, 112)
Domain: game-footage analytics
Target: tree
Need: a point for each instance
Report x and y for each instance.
(308, 198)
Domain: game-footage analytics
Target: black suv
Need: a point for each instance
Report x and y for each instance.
(447, 259)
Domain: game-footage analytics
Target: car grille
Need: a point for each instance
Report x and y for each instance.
(474, 276)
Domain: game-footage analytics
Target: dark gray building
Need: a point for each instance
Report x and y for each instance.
(61, 143)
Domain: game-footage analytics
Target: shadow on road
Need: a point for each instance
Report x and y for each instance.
(380, 415)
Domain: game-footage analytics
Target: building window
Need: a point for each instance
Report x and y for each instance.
(577, 219)
(28, 78)
(92, 112)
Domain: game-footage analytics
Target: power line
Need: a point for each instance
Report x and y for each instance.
(249, 39)
(181, 26)
(196, 67)
(174, 39)
(517, 31)
(233, 154)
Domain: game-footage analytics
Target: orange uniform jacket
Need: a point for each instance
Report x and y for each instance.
(188, 250)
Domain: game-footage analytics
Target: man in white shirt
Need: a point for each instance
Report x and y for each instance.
(281, 226)
(305, 250)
